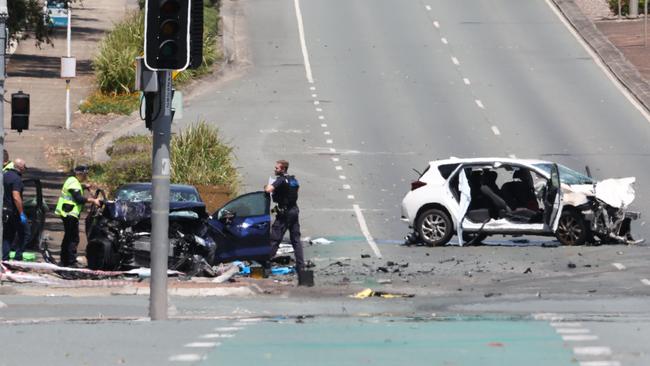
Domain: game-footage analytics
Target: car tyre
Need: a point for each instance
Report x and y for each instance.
(101, 256)
(572, 228)
(434, 227)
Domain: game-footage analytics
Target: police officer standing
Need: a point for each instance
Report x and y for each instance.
(6, 164)
(13, 216)
(285, 194)
(69, 208)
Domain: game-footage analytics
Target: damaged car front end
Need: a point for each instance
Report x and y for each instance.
(119, 234)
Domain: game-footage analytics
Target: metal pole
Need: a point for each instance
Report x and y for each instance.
(160, 206)
(645, 23)
(634, 8)
(4, 14)
(68, 123)
(619, 9)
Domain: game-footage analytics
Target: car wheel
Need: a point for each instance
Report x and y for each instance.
(434, 227)
(572, 228)
(101, 256)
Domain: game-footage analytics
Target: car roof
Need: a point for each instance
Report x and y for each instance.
(175, 187)
(455, 160)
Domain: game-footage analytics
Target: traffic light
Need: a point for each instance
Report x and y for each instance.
(196, 34)
(19, 111)
(167, 34)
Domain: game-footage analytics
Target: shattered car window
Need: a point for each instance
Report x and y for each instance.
(248, 205)
(567, 175)
(143, 194)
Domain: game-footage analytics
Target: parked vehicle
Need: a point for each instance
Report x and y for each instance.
(477, 197)
(119, 234)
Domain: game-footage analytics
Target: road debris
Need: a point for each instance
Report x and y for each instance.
(321, 241)
(528, 270)
(571, 265)
(366, 293)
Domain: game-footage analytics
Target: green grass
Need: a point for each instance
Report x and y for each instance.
(99, 103)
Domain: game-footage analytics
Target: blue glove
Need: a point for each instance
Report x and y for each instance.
(23, 218)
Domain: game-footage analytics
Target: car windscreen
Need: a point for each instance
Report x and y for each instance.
(143, 194)
(567, 175)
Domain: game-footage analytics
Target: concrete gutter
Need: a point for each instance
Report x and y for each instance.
(614, 60)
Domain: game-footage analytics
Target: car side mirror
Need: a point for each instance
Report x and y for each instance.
(226, 216)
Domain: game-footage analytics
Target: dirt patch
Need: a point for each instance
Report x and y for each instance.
(627, 36)
(214, 196)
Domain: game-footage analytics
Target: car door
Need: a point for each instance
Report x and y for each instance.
(35, 210)
(553, 199)
(242, 227)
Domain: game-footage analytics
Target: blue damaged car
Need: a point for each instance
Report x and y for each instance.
(119, 233)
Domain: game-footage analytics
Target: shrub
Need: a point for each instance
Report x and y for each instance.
(199, 157)
(99, 103)
(625, 6)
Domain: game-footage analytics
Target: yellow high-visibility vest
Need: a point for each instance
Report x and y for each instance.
(72, 183)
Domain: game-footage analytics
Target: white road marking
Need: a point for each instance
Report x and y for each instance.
(436, 24)
(466, 81)
(227, 329)
(548, 316)
(496, 131)
(326, 133)
(342, 177)
(216, 335)
(202, 344)
(645, 281)
(303, 43)
(319, 109)
(618, 266)
(314, 95)
(592, 351)
(479, 103)
(347, 186)
(250, 320)
(321, 117)
(444, 40)
(365, 231)
(187, 357)
(599, 62)
(600, 363)
(312, 88)
(350, 197)
(512, 156)
(572, 330)
(338, 167)
(316, 102)
(428, 7)
(455, 60)
(329, 141)
(333, 150)
(323, 125)
(566, 325)
(335, 159)
(579, 338)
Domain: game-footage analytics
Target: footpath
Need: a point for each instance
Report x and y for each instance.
(619, 44)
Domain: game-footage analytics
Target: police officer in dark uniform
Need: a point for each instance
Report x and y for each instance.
(13, 215)
(285, 194)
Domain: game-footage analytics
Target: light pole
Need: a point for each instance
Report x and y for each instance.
(67, 75)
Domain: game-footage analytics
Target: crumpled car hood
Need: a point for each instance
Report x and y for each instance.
(616, 192)
(133, 212)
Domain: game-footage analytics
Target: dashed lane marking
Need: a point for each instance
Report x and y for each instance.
(335, 159)
(338, 167)
(600, 363)
(316, 102)
(618, 266)
(365, 231)
(466, 81)
(216, 335)
(319, 109)
(187, 357)
(479, 103)
(314, 95)
(312, 88)
(495, 130)
(202, 344)
(324, 125)
(566, 324)
(592, 351)
(436, 24)
(645, 281)
(572, 330)
(579, 338)
(455, 60)
(303, 43)
(332, 150)
(347, 186)
(227, 329)
(444, 40)
(326, 133)
(342, 177)
(512, 156)
(350, 196)
(428, 7)
(329, 141)
(321, 117)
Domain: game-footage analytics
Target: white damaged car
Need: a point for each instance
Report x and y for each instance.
(478, 197)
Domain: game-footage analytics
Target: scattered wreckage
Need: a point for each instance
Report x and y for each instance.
(478, 197)
(119, 233)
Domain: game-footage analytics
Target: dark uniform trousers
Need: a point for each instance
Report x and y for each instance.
(9, 232)
(283, 222)
(70, 240)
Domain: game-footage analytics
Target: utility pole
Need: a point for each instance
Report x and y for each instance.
(4, 14)
(67, 81)
(161, 167)
(634, 9)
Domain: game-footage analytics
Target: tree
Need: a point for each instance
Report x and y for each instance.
(27, 19)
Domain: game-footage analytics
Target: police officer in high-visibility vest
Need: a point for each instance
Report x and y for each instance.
(285, 193)
(69, 208)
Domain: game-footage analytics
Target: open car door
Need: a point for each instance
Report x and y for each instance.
(35, 210)
(242, 228)
(553, 199)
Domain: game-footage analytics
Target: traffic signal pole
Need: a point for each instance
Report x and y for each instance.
(161, 168)
(4, 14)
